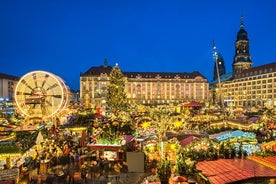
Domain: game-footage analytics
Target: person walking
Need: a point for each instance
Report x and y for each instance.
(117, 170)
(71, 173)
(124, 170)
(84, 172)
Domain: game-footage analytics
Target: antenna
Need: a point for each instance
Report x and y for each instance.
(217, 69)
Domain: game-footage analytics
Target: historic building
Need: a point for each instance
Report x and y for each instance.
(246, 85)
(144, 87)
(7, 87)
(252, 87)
(219, 68)
(242, 59)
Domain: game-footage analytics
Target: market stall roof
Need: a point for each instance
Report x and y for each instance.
(253, 119)
(146, 137)
(232, 134)
(270, 145)
(233, 170)
(27, 128)
(193, 104)
(39, 138)
(215, 136)
(237, 133)
(102, 146)
(269, 161)
(129, 138)
(187, 140)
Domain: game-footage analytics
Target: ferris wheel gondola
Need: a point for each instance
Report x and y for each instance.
(41, 94)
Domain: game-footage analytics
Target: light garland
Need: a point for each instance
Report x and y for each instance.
(5, 155)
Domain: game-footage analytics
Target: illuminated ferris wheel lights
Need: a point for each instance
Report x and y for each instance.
(41, 94)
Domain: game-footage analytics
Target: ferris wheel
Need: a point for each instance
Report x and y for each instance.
(41, 94)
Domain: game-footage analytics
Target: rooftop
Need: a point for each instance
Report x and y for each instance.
(233, 170)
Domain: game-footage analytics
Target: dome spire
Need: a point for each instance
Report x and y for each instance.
(242, 59)
(242, 24)
(105, 62)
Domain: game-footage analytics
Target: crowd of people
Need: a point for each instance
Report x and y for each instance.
(102, 170)
(62, 156)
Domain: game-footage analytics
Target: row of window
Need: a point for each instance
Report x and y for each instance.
(139, 79)
(251, 92)
(258, 82)
(264, 97)
(149, 84)
(260, 73)
(253, 88)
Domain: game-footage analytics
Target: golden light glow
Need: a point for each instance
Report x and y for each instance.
(5, 155)
(172, 146)
(78, 129)
(42, 89)
(178, 123)
(151, 148)
(145, 125)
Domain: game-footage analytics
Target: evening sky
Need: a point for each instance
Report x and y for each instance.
(68, 37)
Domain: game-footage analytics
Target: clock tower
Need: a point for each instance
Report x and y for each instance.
(242, 58)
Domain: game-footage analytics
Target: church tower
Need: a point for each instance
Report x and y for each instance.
(242, 58)
(221, 67)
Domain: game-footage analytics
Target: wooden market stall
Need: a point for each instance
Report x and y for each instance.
(109, 152)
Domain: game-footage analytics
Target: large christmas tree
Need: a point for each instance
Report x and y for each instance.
(116, 98)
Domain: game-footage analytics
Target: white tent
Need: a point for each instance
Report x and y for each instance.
(39, 138)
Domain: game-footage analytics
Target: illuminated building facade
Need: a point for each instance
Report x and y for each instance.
(246, 86)
(252, 87)
(7, 87)
(144, 87)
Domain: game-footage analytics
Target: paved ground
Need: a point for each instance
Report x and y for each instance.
(130, 178)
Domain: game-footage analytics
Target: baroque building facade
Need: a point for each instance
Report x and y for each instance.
(247, 85)
(144, 87)
(242, 59)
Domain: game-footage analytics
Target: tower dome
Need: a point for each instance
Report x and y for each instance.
(242, 58)
(242, 34)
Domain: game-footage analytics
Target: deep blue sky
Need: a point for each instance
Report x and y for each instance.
(68, 37)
